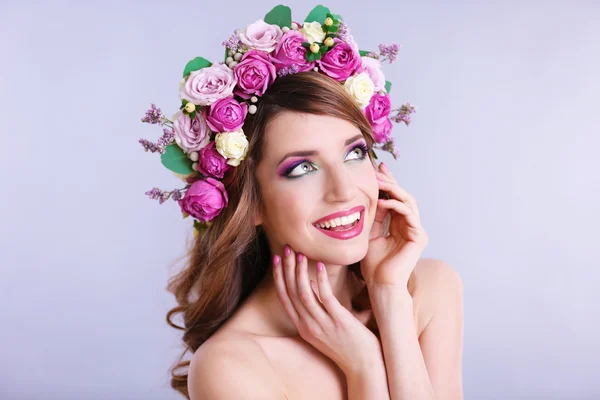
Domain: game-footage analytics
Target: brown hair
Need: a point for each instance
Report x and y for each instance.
(227, 261)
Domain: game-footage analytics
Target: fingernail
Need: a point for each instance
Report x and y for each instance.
(286, 250)
(276, 259)
(320, 266)
(299, 257)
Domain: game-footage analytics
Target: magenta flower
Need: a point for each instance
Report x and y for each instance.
(377, 112)
(254, 74)
(290, 52)
(340, 62)
(204, 200)
(211, 162)
(226, 115)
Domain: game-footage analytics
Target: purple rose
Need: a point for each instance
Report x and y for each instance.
(204, 200)
(226, 115)
(261, 36)
(340, 62)
(254, 74)
(211, 162)
(191, 134)
(289, 51)
(373, 68)
(377, 112)
(207, 85)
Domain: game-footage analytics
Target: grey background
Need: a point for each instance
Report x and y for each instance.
(502, 157)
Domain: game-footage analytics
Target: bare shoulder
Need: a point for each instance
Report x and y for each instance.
(232, 366)
(434, 285)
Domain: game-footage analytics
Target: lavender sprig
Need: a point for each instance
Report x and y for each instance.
(390, 147)
(388, 53)
(154, 116)
(166, 139)
(343, 32)
(233, 43)
(163, 195)
(292, 69)
(403, 113)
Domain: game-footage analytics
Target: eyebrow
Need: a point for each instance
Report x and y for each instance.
(305, 153)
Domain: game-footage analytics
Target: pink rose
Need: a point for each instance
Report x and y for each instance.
(204, 200)
(289, 51)
(261, 36)
(191, 134)
(254, 74)
(373, 68)
(211, 162)
(226, 115)
(340, 62)
(377, 112)
(207, 85)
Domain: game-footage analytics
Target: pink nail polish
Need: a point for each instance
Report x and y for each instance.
(299, 257)
(276, 259)
(320, 266)
(286, 250)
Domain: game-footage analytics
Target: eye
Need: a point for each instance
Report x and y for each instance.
(301, 169)
(359, 152)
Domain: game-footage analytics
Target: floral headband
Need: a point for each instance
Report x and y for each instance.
(204, 139)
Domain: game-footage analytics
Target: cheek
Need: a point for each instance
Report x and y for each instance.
(288, 206)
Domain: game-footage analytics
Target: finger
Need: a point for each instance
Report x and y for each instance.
(315, 288)
(399, 194)
(386, 171)
(305, 293)
(403, 209)
(289, 267)
(331, 303)
(281, 289)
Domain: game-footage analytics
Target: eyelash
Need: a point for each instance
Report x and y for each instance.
(361, 146)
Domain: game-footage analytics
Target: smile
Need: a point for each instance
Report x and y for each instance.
(342, 225)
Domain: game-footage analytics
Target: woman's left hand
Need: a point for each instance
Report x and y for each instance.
(391, 259)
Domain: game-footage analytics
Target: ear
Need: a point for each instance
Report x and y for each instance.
(258, 219)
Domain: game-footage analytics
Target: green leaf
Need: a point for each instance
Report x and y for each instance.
(363, 52)
(226, 54)
(388, 86)
(374, 154)
(176, 160)
(323, 49)
(319, 14)
(337, 16)
(306, 44)
(193, 114)
(184, 102)
(280, 15)
(332, 28)
(196, 64)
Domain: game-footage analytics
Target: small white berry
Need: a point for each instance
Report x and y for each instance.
(233, 64)
(316, 69)
(252, 109)
(194, 156)
(294, 26)
(195, 166)
(254, 99)
(230, 53)
(229, 59)
(237, 56)
(285, 29)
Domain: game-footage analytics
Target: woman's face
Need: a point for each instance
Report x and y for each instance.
(314, 166)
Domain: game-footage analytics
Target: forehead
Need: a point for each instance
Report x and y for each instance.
(293, 131)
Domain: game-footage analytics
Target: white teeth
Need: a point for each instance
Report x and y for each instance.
(340, 221)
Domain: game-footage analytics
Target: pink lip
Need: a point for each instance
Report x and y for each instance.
(340, 214)
(350, 233)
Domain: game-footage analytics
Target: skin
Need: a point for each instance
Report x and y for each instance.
(422, 328)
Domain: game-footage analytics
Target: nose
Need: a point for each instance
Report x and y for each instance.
(340, 186)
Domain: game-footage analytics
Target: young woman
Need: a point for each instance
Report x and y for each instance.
(277, 305)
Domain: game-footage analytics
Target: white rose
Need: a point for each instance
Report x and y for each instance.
(261, 36)
(313, 32)
(373, 68)
(232, 145)
(361, 88)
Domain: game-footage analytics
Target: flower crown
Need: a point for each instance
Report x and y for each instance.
(204, 139)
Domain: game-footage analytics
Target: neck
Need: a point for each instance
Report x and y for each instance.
(274, 315)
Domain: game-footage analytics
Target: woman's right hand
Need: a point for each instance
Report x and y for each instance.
(326, 324)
